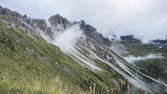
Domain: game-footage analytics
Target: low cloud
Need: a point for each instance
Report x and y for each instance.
(133, 59)
(66, 41)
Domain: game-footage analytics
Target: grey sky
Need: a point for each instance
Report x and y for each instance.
(147, 19)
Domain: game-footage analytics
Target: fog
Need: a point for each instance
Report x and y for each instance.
(133, 59)
(146, 19)
(66, 41)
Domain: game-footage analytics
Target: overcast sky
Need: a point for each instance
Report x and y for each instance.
(147, 19)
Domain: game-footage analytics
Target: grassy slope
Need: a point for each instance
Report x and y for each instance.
(29, 65)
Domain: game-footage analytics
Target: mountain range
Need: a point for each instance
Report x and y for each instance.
(57, 56)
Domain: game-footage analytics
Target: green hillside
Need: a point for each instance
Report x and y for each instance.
(30, 65)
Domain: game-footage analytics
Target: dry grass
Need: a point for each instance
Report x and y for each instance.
(42, 86)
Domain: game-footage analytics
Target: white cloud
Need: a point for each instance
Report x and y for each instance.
(132, 59)
(66, 41)
(147, 19)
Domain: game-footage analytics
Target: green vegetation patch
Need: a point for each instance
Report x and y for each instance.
(2, 16)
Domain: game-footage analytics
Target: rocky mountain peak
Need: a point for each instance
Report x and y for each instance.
(92, 34)
(59, 22)
(40, 23)
(86, 27)
(82, 24)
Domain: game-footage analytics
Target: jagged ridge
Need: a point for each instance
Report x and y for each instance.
(112, 70)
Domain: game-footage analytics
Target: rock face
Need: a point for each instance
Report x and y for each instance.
(92, 38)
(92, 34)
(40, 23)
(59, 22)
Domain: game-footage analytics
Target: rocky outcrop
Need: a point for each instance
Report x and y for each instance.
(92, 34)
(59, 22)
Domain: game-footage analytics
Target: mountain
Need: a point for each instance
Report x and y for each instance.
(132, 40)
(63, 57)
(160, 43)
